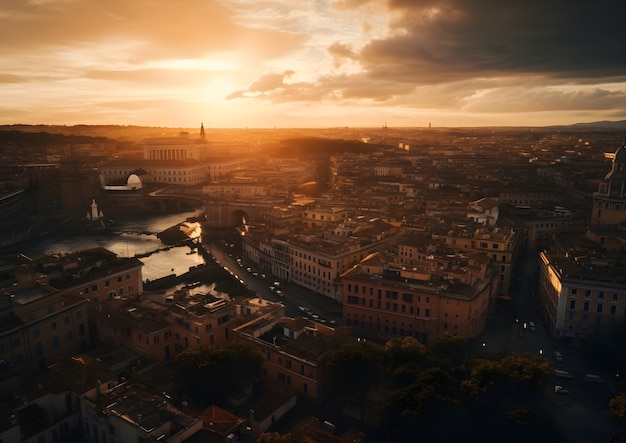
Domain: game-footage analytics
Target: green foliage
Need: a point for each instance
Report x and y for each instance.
(438, 391)
(209, 375)
(618, 406)
(450, 351)
(407, 350)
(351, 369)
(527, 368)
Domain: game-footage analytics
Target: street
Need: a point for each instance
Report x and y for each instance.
(292, 296)
(583, 414)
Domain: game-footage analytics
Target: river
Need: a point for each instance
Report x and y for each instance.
(132, 236)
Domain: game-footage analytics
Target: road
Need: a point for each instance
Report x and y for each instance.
(583, 415)
(292, 296)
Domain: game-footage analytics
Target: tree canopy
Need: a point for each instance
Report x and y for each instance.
(211, 374)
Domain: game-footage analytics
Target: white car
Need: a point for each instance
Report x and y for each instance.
(558, 389)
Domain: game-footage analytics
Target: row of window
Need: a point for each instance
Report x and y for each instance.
(107, 284)
(599, 307)
(389, 306)
(589, 293)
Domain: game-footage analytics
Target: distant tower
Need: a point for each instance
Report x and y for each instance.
(609, 203)
(202, 133)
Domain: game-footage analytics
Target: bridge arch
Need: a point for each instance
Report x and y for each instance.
(238, 217)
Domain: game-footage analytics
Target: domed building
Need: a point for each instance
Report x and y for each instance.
(609, 203)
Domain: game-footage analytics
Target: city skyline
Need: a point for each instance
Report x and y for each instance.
(243, 63)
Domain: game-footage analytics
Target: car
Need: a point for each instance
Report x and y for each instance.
(562, 374)
(531, 326)
(302, 308)
(593, 378)
(272, 288)
(558, 356)
(277, 283)
(279, 292)
(558, 389)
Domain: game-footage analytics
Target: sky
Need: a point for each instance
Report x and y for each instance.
(312, 63)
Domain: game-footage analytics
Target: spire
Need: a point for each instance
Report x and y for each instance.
(202, 133)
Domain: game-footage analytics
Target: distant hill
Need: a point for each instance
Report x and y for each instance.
(619, 125)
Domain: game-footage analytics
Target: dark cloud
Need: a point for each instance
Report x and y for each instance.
(447, 40)
(267, 83)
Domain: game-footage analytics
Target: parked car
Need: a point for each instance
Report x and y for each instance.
(531, 326)
(558, 389)
(558, 356)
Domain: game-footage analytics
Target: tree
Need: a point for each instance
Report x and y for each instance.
(209, 375)
(351, 370)
(618, 406)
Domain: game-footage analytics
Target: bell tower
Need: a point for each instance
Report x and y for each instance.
(609, 203)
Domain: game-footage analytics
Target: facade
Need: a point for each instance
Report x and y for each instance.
(609, 203)
(42, 325)
(200, 319)
(316, 262)
(581, 295)
(294, 350)
(500, 244)
(95, 274)
(389, 300)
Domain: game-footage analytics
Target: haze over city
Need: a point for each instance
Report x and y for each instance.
(242, 63)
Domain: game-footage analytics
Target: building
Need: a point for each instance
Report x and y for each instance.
(500, 244)
(581, 295)
(609, 203)
(294, 350)
(450, 297)
(200, 319)
(95, 274)
(316, 261)
(42, 325)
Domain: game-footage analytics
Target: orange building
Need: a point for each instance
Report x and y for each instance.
(387, 300)
(200, 319)
(44, 326)
(96, 274)
(294, 348)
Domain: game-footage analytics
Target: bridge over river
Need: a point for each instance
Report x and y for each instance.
(220, 213)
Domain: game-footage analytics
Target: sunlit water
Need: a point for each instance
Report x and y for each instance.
(129, 239)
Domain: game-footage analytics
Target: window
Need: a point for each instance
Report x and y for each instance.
(572, 304)
(599, 307)
(427, 312)
(613, 309)
(36, 332)
(586, 306)
(53, 325)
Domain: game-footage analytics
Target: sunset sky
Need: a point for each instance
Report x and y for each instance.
(312, 63)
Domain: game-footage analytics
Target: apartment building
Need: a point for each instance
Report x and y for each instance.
(200, 319)
(294, 350)
(95, 274)
(502, 246)
(41, 325)
(581, 294)
(452, 297)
